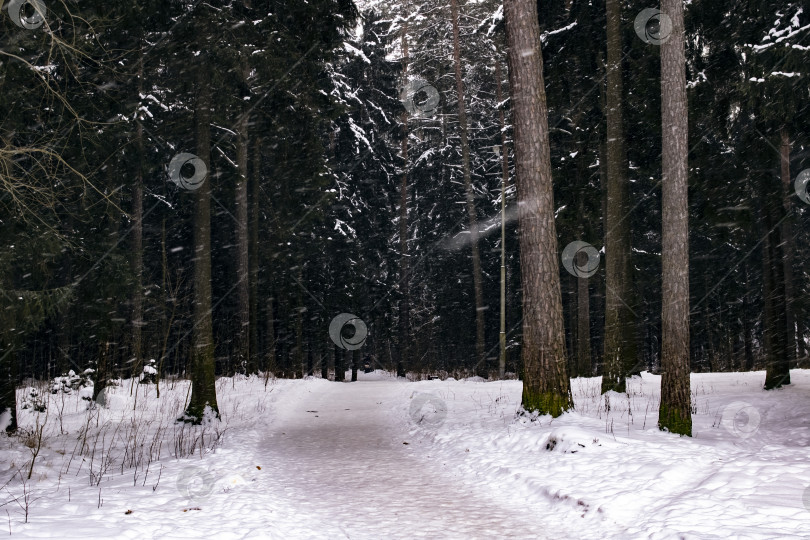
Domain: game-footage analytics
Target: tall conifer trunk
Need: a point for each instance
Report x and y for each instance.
(777, 363)
(137, 233)
(404, 277)
(583, 328)
(620, 350)
(324, 361)
(572, 312)
(748, 338)
(242, 350)
(504, 182)
(546, 387)
(787, 246)
(340, 365)
(299, 327)
(675, 413)
(270, 335)
(331, 363)
(254, 359)
(203, 377)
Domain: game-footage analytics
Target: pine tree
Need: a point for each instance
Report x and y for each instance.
(203, 387)
(675, 411)
(545, 385)
(620, 350)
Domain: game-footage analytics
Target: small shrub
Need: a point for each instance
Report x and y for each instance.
(149, 375)
(71, 382)
(34, 401)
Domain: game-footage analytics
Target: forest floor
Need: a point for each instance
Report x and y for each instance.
(385, 458)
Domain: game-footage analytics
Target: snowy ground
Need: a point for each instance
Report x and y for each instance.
(382, 458)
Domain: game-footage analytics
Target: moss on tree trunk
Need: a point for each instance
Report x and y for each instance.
(552, 403)
(672, 420)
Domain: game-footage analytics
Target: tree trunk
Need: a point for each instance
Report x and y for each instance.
(482, 369)
(299, 328)
(253, 258)
(165, 323)
(64, 325)
(748, 338)
(712, 355)
(787, 247)
(767, 296)
(620, 350)
(355, 363)
(404, 300)
(102, 376)
(330, 357)
(203, 380)
(137, 235)
(242, 339)
(583, 328)
(270, 336)
(283, 336)
(340, 366)
(323, 359)
(777, 364)
(570, 308)
(8, 385)
(545, 380)
(504, 182)
(582, 360)
(675, 412)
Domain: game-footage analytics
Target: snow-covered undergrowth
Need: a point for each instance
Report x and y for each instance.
(314, 459)
(71, 449)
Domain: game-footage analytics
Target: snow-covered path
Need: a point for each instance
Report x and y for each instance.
(337, 457)
(313, 459)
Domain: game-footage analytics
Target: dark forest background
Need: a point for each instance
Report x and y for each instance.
(306, 127)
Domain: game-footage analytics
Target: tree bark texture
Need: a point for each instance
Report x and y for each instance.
(620, 350)
(546, 386)
(675, 413)
(203, 381)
